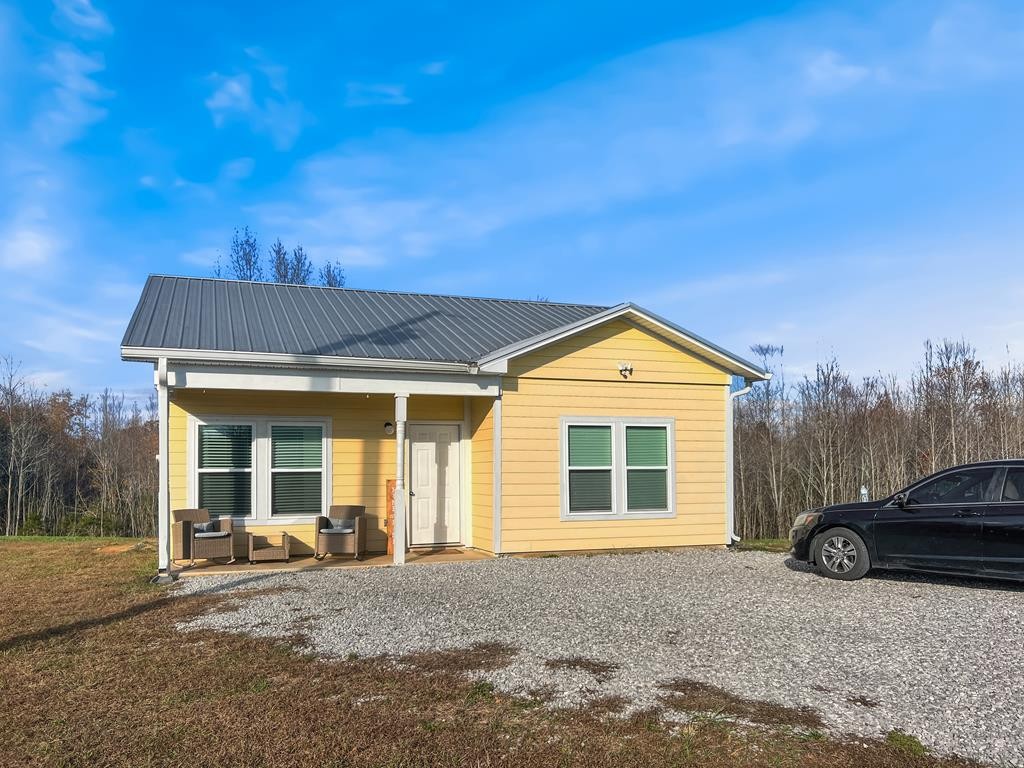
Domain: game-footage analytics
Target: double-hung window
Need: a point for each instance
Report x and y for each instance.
(296, 469)
(617, 468)
(225, 469)
(260, 468)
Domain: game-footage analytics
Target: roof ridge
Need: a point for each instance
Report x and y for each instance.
(384, 291)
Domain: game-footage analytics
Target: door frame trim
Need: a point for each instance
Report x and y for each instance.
(463, 448)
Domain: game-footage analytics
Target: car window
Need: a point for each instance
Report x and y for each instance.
(966, 486)
(1013, 488)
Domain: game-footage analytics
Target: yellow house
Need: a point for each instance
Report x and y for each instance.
(506, 426)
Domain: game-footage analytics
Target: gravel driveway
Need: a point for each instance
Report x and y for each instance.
(940, 659)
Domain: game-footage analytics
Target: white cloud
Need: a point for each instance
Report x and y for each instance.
(72, 105)
(201, 257)
(237, 169)
(375, 94)
(232, 95)
(27, 247)
(643, 127)
(829, 71)
(83, 17)
(275, 114)
(52, 380)
(434, 68)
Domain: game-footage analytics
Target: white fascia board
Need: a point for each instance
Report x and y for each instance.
(354, 382)
(497, 362)
(285, 360)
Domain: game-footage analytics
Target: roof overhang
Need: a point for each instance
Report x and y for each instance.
(497, 361)
(279, 360)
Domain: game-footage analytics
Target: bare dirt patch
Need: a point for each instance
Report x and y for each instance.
(694, 696)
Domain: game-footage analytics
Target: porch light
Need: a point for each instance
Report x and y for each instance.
(389, 428)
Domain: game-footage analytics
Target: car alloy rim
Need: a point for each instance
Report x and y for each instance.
(839, 554)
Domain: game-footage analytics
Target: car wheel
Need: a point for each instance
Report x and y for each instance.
(840, 554)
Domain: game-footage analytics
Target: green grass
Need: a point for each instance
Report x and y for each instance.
(905, 742)
(763, 545)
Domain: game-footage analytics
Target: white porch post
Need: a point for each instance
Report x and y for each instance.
(398, 534)
(163, 500)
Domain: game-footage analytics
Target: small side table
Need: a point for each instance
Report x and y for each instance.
(264, 551)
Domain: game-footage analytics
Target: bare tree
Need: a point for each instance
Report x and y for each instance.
(280, 265)
(244, 260)
(332, 275)
(818, 441)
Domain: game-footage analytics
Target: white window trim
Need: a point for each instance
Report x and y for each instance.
(619, 467)
(261, 425)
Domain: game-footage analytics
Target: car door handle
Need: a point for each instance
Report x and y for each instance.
(967, 513)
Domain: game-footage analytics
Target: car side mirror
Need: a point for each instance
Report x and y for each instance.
(900, 499)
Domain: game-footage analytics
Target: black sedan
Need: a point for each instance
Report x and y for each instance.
(966, 520)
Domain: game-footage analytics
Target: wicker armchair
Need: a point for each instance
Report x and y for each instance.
(192, 542)
(343, 533)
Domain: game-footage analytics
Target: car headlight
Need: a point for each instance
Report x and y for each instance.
(808, 519)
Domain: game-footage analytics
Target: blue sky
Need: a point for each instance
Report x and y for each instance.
(836, 178)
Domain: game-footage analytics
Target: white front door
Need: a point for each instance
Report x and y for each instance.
(434, 515)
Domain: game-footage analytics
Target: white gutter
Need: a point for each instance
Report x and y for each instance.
(730, 461)
(287, 360)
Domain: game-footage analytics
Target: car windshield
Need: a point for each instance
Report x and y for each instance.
(966, 486)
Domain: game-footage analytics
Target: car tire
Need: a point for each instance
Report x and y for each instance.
(841, 554)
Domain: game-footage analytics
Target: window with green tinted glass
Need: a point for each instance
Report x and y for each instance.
(617, 467)
(225, 469)
(296, 469)
(646, 468)
(590, 468)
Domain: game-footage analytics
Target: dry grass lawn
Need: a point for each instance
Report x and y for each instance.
(93, 673)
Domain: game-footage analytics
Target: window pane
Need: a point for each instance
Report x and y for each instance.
(647, 489)
(296, 447)
(590, 490)
(296, 493)
(590, 446)
(225, 446)
(226, 493)
(967, 486)
(1013, 488)
(646, 446)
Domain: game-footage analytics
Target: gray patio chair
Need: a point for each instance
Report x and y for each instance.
(342, 533)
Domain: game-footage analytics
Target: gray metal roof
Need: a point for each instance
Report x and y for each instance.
(192, 313)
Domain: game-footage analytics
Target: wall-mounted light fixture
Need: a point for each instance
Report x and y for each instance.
(389, 428)
(625, 370)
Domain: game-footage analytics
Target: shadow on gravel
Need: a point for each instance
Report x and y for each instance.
(915, 577)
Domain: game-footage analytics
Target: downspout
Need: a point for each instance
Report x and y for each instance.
(730, 462)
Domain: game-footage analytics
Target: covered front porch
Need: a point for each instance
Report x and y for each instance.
(273, 450)
(304, 563)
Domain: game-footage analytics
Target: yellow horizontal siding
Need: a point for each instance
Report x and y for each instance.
(580, 377)
(595, 354)
(363, 456)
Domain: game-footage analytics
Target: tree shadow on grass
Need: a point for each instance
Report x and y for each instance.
(74, 627)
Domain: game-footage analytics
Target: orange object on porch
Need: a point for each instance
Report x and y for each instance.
(389, 521)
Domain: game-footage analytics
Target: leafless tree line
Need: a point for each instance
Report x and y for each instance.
(818, 440)
(74, 464)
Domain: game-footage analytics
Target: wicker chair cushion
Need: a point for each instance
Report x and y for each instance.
(204, 527)
(341, 525)
(212, 534)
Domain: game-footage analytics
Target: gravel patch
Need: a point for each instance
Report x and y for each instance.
(941, 659)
